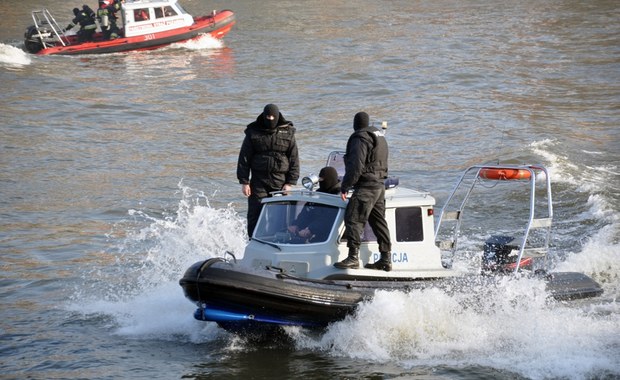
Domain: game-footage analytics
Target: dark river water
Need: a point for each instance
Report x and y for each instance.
(117, 172)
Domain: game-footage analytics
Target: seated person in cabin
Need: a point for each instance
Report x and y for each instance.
(166, 11)
(311, 224)
(140, 15)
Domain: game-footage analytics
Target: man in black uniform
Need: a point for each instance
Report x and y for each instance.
(366, 167)
(268, 160)
(85, 18)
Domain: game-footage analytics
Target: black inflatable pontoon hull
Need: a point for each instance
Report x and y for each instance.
(231, 295)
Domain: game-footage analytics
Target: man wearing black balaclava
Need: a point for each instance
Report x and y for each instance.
(268, 160)
(312, 222)
(366, 168)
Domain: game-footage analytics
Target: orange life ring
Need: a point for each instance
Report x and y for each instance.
(504, 173)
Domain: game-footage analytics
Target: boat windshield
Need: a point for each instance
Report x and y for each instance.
(295, 222)
(181, 10)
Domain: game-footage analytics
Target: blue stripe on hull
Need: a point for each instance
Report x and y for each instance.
(216, 315)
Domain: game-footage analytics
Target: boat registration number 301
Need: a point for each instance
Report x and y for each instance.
(148, 37)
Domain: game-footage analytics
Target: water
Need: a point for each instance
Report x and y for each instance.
(118, 172)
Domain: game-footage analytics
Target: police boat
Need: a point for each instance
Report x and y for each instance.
(143, 24)
(285, 280)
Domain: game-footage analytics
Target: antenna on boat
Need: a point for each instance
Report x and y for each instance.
(501, 143)
(384, 127)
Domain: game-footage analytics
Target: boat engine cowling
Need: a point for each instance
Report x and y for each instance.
(500, 255)
(33, 38)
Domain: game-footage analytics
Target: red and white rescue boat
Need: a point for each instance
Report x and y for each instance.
(165, 22)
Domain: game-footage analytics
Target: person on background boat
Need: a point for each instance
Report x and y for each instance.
(310, 223)
(366, 168)
(89, 11)
(85, 18)
(268, 160)
(106, 14)
(140, 15)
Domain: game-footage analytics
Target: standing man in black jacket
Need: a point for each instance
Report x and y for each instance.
(366, 168)
(85, 18)
(107, 15)
(268, 160)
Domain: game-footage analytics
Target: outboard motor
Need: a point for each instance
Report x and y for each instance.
(33, 38)
(499, 257)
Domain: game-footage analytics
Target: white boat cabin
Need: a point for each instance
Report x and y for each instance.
(418, 251)
(143, 17)
(409, 215)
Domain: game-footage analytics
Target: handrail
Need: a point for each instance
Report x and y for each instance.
(38, 16)
(499, 173)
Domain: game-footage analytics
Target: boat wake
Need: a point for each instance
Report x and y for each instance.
(204, 42)
(152, 251)
(515, 330)
(13, 56)
(596, 252)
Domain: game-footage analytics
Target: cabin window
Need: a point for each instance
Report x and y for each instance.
(141, 14)
(169, 11)
(409, 224)
(295, 222)
(166, 11)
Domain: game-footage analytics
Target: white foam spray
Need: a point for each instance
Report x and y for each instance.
(516, 329)
(144, 278)
(13, 56)
(203, 42)
(597, 255)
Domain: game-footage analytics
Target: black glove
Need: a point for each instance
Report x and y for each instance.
(68, 27)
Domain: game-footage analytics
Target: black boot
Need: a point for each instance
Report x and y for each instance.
(351, 262)
(384, 263)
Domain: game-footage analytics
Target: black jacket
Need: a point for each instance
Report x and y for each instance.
(84, 20)
(318, 218)
(270, 155)
(366, 159)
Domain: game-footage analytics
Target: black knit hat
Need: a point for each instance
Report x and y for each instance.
(360, 120)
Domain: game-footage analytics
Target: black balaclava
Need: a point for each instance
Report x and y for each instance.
(76, 11)
(328, 180)
(271, 110)
(360, 121)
